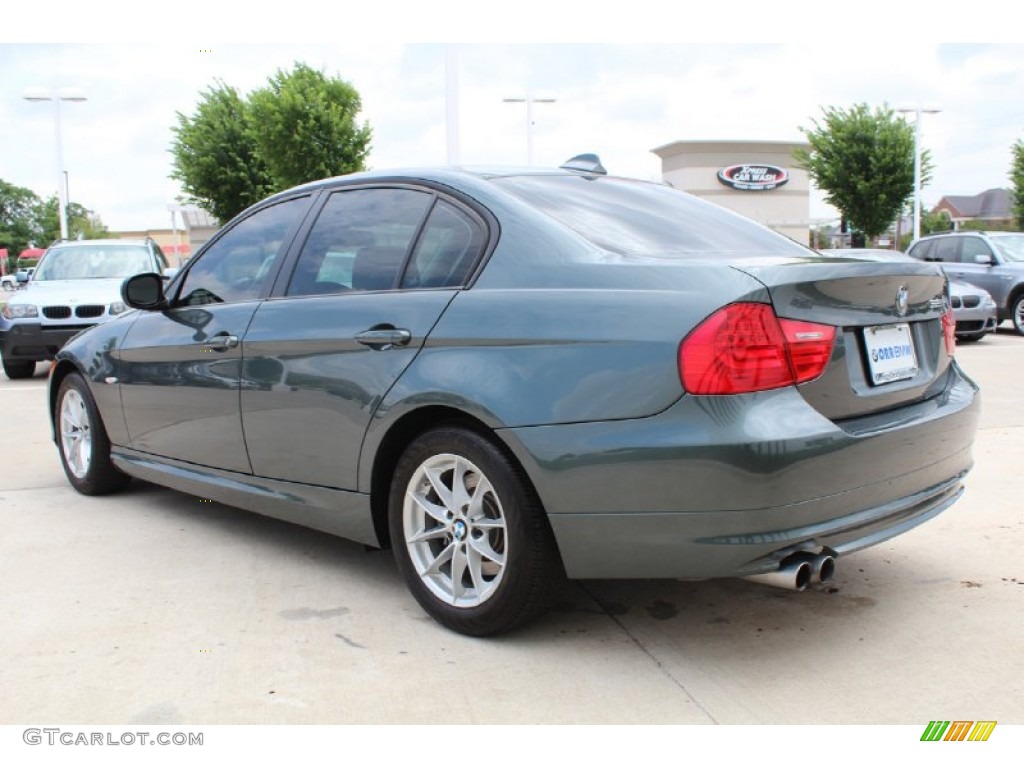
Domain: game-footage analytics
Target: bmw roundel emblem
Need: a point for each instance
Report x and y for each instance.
(902, 300)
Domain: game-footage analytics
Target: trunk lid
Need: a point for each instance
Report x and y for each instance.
(889, 348)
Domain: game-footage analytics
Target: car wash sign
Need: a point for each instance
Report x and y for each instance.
(753, 177)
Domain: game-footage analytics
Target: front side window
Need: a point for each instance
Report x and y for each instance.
(235, 267)
(974, 246)
(359, 241)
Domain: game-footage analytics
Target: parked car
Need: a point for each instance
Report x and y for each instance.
(15, 280)
(76, 285)
(521, 375)
(974, 308)
(991, 260)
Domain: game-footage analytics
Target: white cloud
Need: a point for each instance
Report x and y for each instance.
(620, 101)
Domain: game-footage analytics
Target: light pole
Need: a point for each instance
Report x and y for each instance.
(917, 162)
(64, 94)
(529, 101)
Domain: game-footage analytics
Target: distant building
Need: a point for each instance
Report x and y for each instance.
(993, 207)
(755, 178)
(199, 225)
(179, 244)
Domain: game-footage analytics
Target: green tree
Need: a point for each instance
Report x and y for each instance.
(864, 161)
(19, 220)
(82, 223)
(1017, 179)
(215, 156)
(305, 127)
(235, 151)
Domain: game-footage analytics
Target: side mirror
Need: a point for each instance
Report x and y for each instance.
(21, 277)
(144, 291)
(983, 258)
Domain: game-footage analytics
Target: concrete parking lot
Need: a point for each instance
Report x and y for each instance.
(153, 607)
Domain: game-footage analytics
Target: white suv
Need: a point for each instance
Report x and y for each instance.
(77, 284)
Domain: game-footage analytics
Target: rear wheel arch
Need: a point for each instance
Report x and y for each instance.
(405, 431)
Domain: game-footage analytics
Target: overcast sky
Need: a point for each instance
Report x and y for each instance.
(620, 100)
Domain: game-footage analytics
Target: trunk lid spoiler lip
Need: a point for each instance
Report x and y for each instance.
(851, 293)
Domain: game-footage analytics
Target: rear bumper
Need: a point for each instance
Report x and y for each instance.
(34, 341)
(729, 486)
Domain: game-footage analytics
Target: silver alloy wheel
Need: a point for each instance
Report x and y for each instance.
(455, 530)
(1018, 315)
(75, 433)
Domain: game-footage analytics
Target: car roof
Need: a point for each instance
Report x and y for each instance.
(452, 175)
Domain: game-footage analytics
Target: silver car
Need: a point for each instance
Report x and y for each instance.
(991, 260)
(974, 308)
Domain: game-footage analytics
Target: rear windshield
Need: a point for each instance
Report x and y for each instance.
(636, 218)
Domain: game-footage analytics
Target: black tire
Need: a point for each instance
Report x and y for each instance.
(496, 521)
(19, 369)
(82, 440)
(1017, 313)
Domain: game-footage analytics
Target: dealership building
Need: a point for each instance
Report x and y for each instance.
(755, 178)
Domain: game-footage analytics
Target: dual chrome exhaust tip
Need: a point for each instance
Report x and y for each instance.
(798, 571)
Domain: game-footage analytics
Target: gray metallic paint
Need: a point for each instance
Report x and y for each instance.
(180, 396)
(305, 375)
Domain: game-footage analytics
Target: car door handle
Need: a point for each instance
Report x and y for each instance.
(384, 337)
(222, 342)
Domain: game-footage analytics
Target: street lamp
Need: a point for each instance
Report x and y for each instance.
(529, 101)
(917, 162)
(64, 94)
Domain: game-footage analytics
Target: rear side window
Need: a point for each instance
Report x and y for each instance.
(635, 218)
(359, 241)
(447, 249)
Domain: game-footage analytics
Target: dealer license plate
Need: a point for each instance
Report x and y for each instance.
(891, 355)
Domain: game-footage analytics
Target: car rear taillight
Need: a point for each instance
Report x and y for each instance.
(746, 348)
(949, 331)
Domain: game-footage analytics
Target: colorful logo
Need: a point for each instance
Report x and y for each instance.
(752, 177)
(958, 730)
